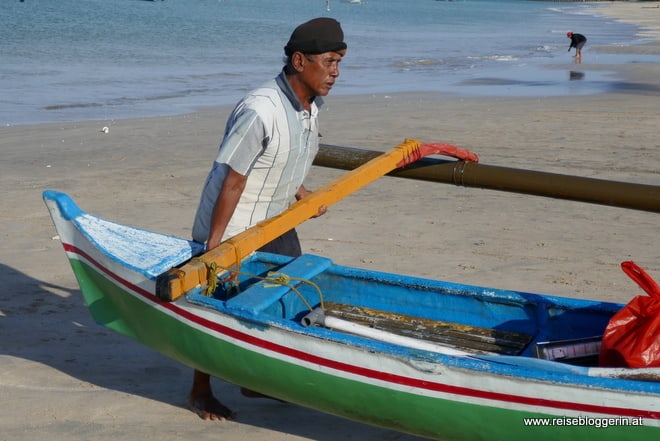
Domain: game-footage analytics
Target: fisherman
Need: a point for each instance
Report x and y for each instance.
(577, 41)
(270, 141)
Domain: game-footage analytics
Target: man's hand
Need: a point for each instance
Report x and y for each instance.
(303, 192)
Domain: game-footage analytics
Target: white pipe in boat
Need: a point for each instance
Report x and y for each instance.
(317, 317)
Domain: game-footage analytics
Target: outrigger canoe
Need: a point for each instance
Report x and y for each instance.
(431, 358)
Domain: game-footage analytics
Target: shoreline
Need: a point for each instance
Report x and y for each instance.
(638, 14)
(67, 377)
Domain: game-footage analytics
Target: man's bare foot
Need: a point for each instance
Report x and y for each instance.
(207, 407)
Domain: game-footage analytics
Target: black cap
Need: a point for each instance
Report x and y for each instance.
(316, 36)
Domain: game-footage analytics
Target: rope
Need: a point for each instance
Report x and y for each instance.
(285, 280)
(211, 276)
(273, 277)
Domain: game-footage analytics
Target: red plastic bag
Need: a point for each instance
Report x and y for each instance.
(632, 337)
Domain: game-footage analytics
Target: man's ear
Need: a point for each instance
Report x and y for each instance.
(298, 61)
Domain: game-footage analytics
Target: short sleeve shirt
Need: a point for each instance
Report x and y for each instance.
(272, 140)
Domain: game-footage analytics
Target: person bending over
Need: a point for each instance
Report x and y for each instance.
(577, 41)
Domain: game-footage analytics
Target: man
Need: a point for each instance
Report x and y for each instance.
(270, 141)
(577, 42)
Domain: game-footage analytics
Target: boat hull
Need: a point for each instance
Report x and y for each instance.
(255, 343)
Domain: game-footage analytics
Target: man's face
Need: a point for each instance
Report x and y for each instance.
(320, 71)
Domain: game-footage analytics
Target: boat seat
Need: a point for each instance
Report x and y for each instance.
(264, 293)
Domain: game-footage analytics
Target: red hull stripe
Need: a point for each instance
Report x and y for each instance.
(368, 373)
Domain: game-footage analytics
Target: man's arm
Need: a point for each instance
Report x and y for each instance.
(230, 194)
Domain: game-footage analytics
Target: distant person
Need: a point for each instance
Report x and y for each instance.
(270, 141)
(577, 41)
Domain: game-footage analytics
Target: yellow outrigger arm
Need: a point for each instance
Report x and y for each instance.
(177, 281)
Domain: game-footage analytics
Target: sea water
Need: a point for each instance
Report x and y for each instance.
(69, 60)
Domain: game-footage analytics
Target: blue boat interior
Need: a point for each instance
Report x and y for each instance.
(283, 290)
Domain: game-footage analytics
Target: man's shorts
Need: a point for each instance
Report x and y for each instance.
(287, 244)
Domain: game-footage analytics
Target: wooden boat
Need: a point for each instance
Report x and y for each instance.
(432, 358)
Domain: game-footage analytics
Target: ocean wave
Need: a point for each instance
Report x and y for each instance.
(123, 101)
(496, 58)
(421, 62)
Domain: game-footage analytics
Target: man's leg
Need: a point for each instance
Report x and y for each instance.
(203, 403)
(201, 399)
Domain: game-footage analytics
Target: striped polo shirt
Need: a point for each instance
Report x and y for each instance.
(272, 140)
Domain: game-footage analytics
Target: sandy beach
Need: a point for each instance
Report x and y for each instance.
(64, 377)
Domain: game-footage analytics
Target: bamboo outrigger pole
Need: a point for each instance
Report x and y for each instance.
(177, 281)
(469, 174)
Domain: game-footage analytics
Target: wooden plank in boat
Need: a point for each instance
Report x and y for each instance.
(472, 339)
